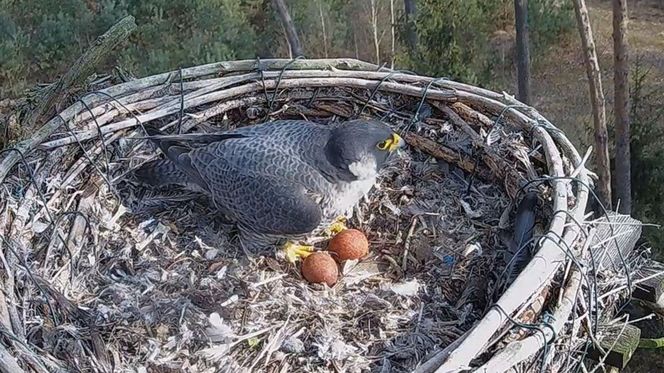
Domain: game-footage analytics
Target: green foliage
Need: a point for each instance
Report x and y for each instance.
(186, 33)
(548, 20)
(12, 60)
(455, 36)
(39, 39)
(647, 150)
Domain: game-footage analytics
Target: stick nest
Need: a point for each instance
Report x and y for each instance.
(107, 275)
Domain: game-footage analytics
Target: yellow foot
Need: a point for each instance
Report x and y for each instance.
(294, 251)
(336, 227)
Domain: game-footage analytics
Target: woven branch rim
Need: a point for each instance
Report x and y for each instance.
(233, 84)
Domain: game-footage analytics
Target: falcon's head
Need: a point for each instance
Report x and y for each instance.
(358, 149)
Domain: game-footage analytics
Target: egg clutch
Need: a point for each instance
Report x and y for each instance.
(321, 266)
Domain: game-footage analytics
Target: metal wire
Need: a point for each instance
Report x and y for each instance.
(604, 211)
(377, 87)
(536, 327)
(415, 117)
(276, 87)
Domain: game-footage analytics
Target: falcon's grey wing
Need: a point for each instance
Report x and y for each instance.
(263, 204)
(284, 150)
(265, 176)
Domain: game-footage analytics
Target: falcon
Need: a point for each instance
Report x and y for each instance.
(279, 181)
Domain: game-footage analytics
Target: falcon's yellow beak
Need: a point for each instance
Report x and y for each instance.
(391, 144)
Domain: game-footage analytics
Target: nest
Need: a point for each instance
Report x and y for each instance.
(106, 276)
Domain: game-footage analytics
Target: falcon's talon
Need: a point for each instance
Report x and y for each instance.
(295, 252)
(338, 226)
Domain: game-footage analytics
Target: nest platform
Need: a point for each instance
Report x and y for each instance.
(102, 275)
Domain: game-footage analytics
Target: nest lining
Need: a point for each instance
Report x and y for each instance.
(156, 279)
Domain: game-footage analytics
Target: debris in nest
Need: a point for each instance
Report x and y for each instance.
(168, 286)
(407, 289)
(473, 214)
(473, 248)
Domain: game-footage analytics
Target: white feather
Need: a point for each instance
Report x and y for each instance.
(364, 168)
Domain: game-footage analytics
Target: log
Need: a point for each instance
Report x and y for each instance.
(650, 288)
(621, 106)
(596, 100)
(498, 166)
(541, 268)
(11, 158)
(549, 257)
(618, 342)
(8, 363)
(247, 89)
(519, 351)
(289, 27)
(445, 153)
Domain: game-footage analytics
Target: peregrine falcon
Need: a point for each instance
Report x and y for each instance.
(278, 180)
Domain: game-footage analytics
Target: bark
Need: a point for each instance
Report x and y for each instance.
(621, 109)
(374, 30)
(322, 24)
(522, 50)
(394, 36)
(411, 31)
(289, 27)
(596, 101)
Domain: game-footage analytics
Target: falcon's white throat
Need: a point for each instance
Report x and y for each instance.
(348, 194)
(364, 169)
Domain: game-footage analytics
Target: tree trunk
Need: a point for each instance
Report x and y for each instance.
(393, 26)
(596, 101)
(411, 31)
(322, 24)
(289, 27)
(374, 29)
(522, 50)
(58, 92)
(621, 108)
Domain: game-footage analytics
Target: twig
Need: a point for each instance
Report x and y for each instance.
(7, 362)
(406, 244)
(445, 153)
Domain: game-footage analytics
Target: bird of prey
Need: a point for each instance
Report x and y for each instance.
(279, 180)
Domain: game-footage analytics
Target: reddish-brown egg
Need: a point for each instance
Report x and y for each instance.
(320, 268)
(349, 244)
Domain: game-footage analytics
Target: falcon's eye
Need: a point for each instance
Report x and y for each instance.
(383, 145)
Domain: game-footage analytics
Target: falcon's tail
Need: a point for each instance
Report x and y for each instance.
(177, 168)
(160, 173)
